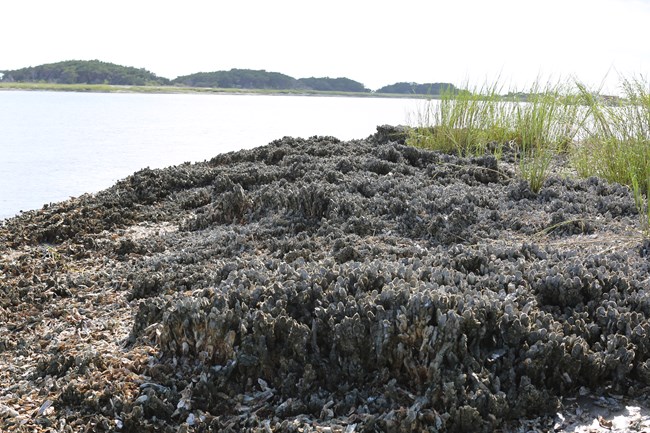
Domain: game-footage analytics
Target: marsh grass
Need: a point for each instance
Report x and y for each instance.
(617, 142)
(604, 137)
(470, 123)
(544, 126)
(463, 123)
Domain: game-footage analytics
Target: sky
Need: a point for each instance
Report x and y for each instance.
(463, 42)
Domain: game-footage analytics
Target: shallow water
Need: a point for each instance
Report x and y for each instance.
(55, 145)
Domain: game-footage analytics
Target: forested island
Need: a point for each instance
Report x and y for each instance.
(260, 79)
(84, 72)
(95, 72)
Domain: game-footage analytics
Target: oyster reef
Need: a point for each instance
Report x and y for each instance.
(319, 285)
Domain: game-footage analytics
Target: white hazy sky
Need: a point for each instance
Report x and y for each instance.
(374, 42)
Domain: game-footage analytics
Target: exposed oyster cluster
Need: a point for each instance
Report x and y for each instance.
(364, 284)
(477, 329)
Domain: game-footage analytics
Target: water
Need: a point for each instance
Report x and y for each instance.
(57, 145)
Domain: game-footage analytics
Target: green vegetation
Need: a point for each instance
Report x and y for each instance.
(95, 73)
(545, 126)
(617, 146)
(327, 84)
(617, 143)
(239, 79)
(470, 122)
(600, 136)
(83, 72)
(461, 122)
(432, 89)
(251, 79)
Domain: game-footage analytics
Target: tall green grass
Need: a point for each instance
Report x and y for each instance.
(602, 136)
(472, 122)
(617, 142)
(545, 125)
(464, 122)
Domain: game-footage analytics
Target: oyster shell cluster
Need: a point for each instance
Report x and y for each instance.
(314, 283)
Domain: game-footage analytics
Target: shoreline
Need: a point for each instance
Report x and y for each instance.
(105, 88)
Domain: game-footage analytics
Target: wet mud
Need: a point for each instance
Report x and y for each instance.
(315, 284)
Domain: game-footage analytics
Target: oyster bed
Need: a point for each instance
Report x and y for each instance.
(319, 285)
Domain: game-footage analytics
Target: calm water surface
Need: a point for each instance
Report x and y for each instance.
(56, 145)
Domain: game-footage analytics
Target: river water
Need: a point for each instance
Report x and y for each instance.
(57, 145)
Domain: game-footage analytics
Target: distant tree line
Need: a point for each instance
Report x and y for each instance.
(419, 89)
(261, 79)
(84, 72)
(333, 84)
(97, 72)
(238, 79)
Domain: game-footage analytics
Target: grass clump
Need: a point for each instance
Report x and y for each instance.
(461, 122)
(537, 124)
(617, 143)
(544, 126)
(607, 137)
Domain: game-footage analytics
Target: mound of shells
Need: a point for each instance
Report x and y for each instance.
(314, 284)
